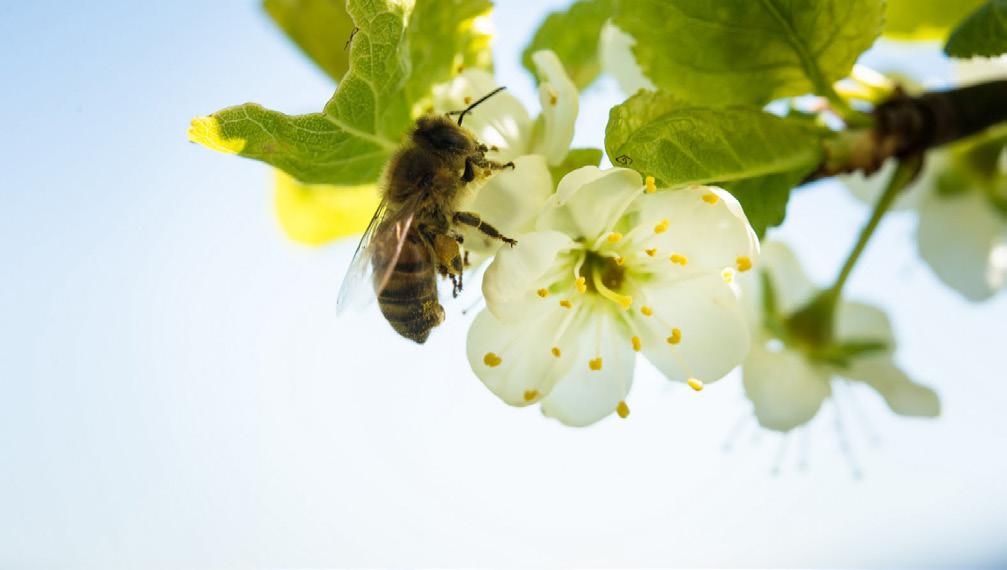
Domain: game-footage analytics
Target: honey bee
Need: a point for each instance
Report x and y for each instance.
(411, 238)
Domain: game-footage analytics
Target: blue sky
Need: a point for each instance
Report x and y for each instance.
(176, 390)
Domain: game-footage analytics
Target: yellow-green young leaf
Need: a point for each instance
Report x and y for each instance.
(576, 158)
(925, 19)
(360, 127)
(765, 198)
(444, 37)
(321, 28)
(983, 33)
(698, 145)
(391, 70)
(748, 51)
(573, 35)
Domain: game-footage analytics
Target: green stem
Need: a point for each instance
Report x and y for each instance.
(903, 175)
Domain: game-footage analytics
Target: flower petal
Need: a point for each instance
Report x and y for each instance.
(963, 239)
(500, 121)
(314, 214)
(859, 321)
(704, 224)
(868, 189)
(902, 395)
(514, 360)
(589, 201)
(511, 282)
(617, 59)
(509, 201)
(560, 102)
(585, 395)
(784, 387)
(792, 287)
(696, 330)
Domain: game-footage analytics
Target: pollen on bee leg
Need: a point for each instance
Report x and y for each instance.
(647, 311)
(636, 343)
(565, 303)
(614, 237)
(662, 226)
(556, 352)
(651, 186)
(530, 395)
(743, 262)
(543, 292)
(695, 384)
(492, 360)
(581, 284)
(711, 198)
(676, 336)
(622, 409)
(679, 259)
(594, 363)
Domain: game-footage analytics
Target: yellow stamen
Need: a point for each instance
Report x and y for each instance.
(622, 409)
(695, 384)
(679, 259)
(651, 252)
(728, 275)
(651, 187)
(492, 360)
(647, 311)
(614, 237)
(553, 98)
(676, 336)
(581, 284)
(594, 363)
(661, 227)
(556, 352)
(743, 262)
(636, 343)
(566, 304)
(623, 301)
(467, 100)
(530, 395)
(618, 260)
(543, 293)
(710, 198)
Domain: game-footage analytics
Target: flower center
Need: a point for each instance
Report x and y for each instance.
(605, 277)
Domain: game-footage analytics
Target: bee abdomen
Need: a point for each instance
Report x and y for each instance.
(409, 299)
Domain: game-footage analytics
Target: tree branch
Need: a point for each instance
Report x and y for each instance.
(905, 126)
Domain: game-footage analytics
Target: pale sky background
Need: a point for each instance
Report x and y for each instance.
(176, 391)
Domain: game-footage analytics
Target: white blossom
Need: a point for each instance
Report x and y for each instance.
(785, 382)
(614, 267)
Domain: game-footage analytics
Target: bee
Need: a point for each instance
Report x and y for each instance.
(412, 237)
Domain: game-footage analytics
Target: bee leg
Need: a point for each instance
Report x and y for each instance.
(473, 219)
(483, 162)
(470, 174)
(456, 284)
(465, 259)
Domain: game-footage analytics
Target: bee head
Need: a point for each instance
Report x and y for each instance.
(441, 135)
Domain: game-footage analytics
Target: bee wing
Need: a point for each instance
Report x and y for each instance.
(393, 233)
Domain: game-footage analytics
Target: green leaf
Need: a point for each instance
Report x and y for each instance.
(320, 28)
(765, 198)
(748, 51)
(983, 33)
(391, 70)
(443, 40)
(573, 35)
(925, 19)
(576, 158)
(632, 115)
(698, 145)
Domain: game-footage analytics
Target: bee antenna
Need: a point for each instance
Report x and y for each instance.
(461, 114)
